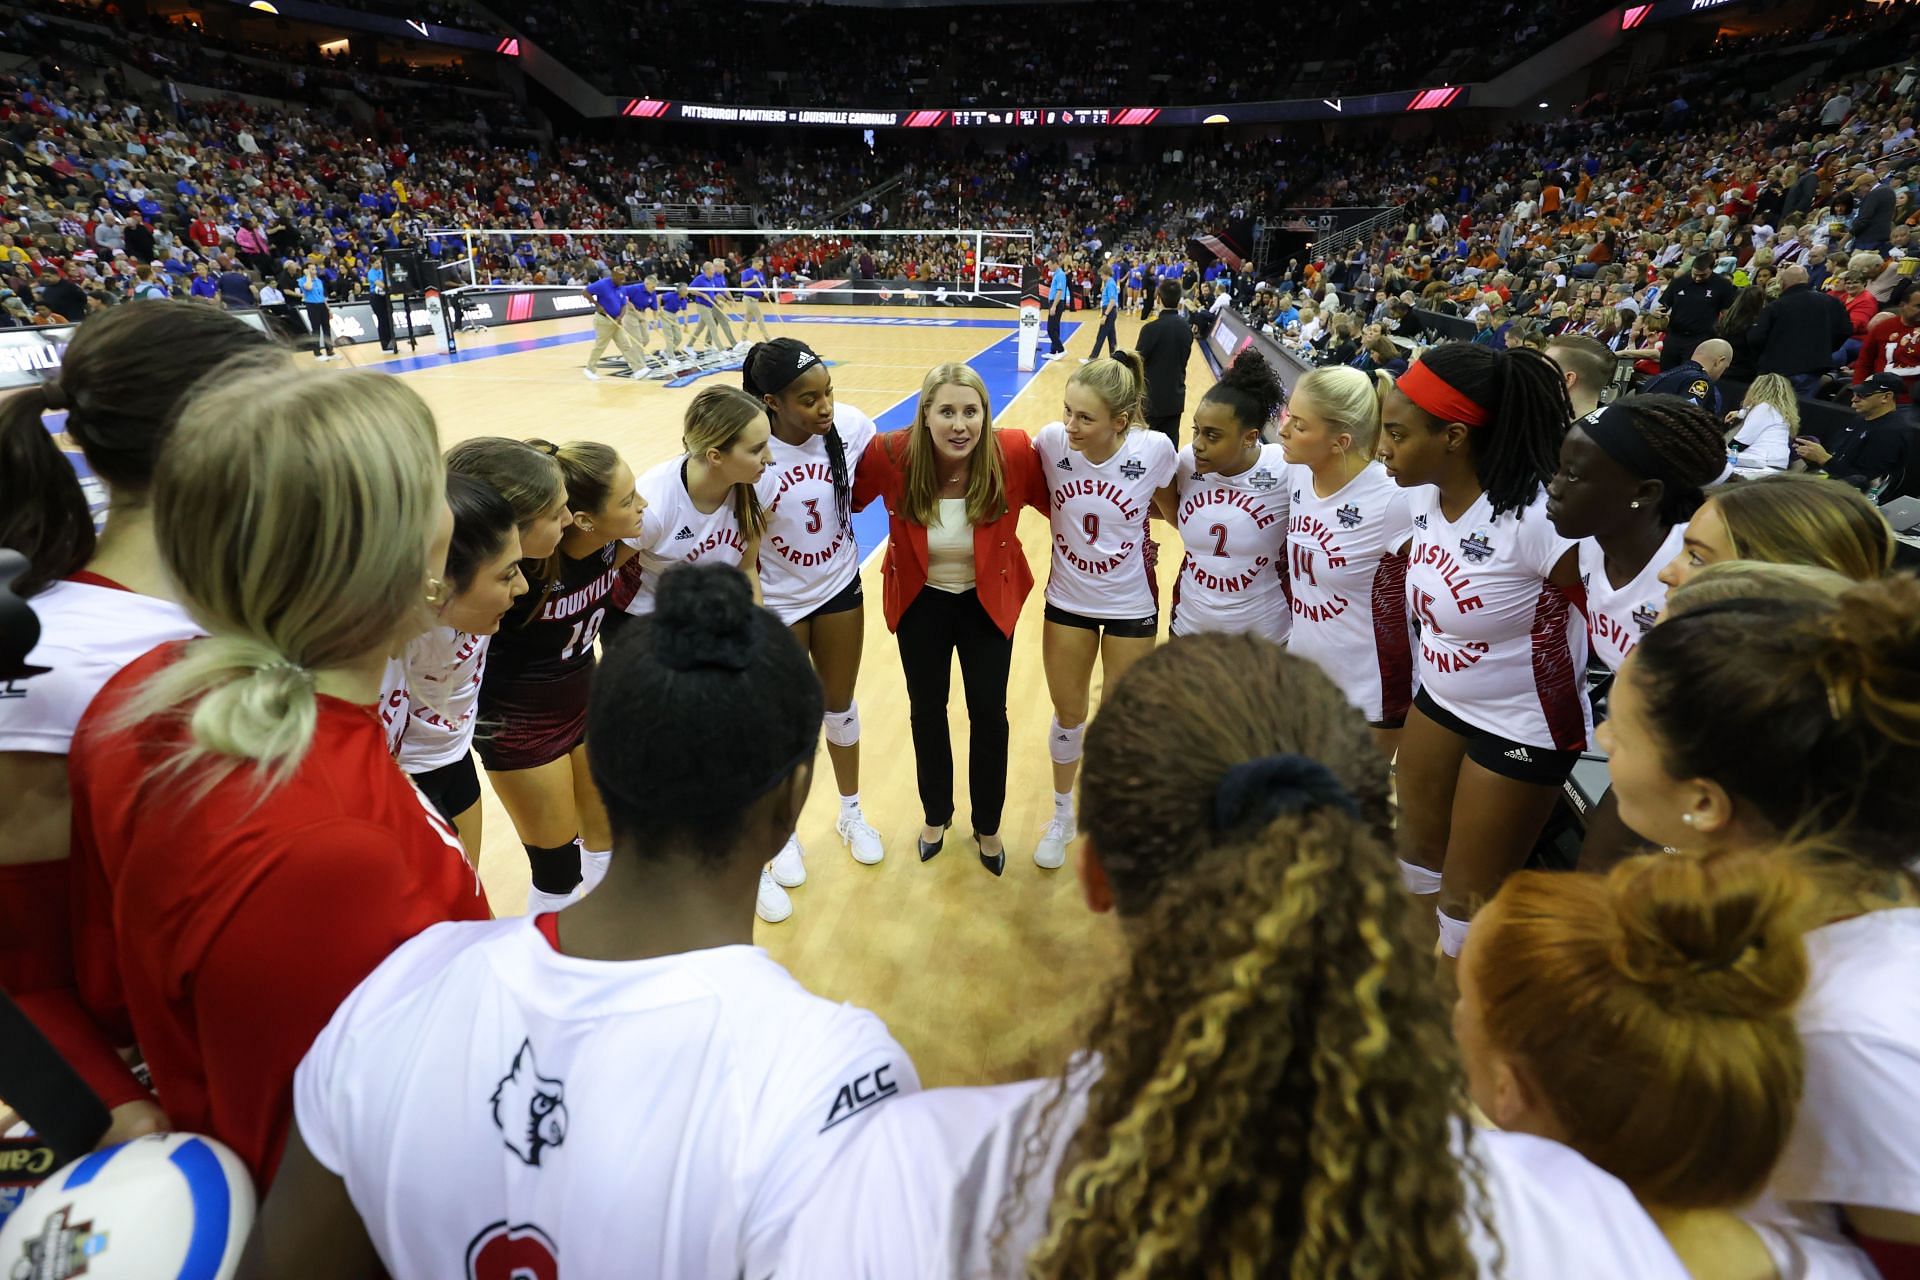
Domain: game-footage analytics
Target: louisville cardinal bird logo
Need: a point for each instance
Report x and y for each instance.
(530, 1108)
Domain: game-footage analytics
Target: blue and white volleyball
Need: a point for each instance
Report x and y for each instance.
(173, 1205)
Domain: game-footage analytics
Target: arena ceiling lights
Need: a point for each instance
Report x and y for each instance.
(1374, 104)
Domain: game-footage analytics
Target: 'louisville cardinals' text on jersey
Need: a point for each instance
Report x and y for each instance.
(1233, 575)
(1347, 574)
(485, 1096)
(1618, 617)
(808, 555)
(1099, 516)
(674, 531)
(1500, 646)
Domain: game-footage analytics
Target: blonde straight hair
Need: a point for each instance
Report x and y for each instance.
(1120, 380)
(293, 509)
(715, 420)
(986, 474)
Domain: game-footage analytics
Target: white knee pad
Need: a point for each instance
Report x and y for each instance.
(843, 727)
(1453, 933)
(1418, 879)
(1063, 744)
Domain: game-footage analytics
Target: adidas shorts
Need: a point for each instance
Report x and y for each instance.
(1517, 760)
(1119, 628)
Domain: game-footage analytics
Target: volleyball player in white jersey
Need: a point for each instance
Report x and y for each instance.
(753, 291)
(1501, 714)
(1347, 535)
(1627, 482)
(1278, 1038)
(628, 1087)
(1229, 501)
(809, 563)
(702, 506)
(444, 668)
(1102, 467)
(102, 601)
(1630, 476)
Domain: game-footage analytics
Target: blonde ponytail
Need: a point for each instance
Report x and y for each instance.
(293, 509)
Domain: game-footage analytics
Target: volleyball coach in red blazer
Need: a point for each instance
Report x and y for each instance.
(956, 577)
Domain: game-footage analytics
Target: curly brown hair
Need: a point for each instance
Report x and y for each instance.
(1278, 1092)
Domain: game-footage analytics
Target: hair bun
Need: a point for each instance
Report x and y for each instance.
(1721, 933)
(1869, 656)
(704, 619)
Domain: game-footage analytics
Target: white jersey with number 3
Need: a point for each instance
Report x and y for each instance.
(1347, 574)
(487, 1098)
(1617, 618)
(807, 555)
(674, 531)
(1233, 575)
(1500, 646)
(1099, 517)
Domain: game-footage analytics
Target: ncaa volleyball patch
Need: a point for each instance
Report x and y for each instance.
(171, 1206)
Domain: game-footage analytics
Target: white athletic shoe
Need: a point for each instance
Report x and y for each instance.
(860, 838)
(1051, 853)
(773, 905)
(789, 865)
(743, 345)
(590, 375)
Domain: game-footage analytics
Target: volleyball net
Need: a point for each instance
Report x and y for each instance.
(924, 267)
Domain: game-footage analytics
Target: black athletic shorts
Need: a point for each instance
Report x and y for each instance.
(846, 601)
(452, 788)
(1120, 628)
(1517, 760)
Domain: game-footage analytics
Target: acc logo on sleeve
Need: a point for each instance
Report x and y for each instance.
(860, 1093)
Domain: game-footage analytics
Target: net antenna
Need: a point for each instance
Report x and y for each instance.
(957, 265)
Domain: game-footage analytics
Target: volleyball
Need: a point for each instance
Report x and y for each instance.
(171, 1206)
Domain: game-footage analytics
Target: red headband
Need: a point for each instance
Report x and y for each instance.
(1438, 397)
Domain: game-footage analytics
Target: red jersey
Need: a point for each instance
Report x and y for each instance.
(220, 933)
(1891, 346)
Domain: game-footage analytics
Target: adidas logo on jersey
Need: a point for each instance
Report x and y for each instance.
(1133, 468)
(686, 531)
(1520, 754)
(1420, 522)
(1065, 463)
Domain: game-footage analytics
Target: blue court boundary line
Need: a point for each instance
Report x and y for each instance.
(997, 365)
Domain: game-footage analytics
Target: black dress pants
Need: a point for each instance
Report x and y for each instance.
(934, 626)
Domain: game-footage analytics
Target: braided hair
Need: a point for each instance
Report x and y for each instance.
(1687, 441)
(1516, 452)
(769, 368)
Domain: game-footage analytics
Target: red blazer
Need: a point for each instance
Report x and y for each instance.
(1001, 575)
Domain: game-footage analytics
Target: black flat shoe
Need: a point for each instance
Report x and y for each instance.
(996, 863)
(927, 850)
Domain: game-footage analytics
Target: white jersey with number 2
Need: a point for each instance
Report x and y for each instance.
(1234, 528)
(1099, 515)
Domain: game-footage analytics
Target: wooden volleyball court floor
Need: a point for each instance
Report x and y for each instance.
(983, 980)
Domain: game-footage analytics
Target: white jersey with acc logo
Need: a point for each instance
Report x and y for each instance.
(674, 531)
(1347, 580)
(1099, 517)
(1617, 618)
(1500, 646)
(487, 1098)
(1233, 575)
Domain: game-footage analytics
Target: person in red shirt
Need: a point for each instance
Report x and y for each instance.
(956, 577)
(1892, 343)
(245, 850)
